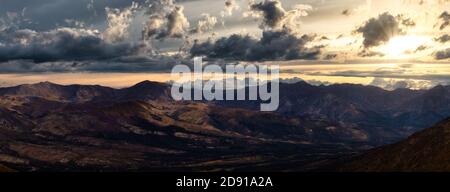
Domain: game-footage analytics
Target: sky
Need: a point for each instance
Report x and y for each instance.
(391, 44)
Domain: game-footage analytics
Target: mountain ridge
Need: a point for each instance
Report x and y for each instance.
(424, 151)
(387, 115)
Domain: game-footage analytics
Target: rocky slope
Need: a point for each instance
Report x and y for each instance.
(425, 151)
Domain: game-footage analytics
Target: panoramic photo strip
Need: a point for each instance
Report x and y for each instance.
(222, 87)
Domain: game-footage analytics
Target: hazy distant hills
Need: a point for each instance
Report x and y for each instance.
(47, 126)
(428, 150)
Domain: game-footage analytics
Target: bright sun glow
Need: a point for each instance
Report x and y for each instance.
(404, 46)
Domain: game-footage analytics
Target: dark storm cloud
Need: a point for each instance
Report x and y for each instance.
(60, 49)
(280, 37)
(377, 31)
(233, 47)
(274, 45)
(275, 17)
(443, 38)
(444, 19)
(442, 55)
(85, 48)
(273, 12)
(63, 44)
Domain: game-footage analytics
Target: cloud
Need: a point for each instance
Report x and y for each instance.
(394, 84)
(389, 84)
(330, 56)
(279, 41)
(443, 38)
(274, 45)
(166, 20)
(368, 53)
(276, 17)
(230, 6)
(234, 47)
(408, 22)
(75, 23)
(177, 23)
(421, 48)
(272, 12)
(13, 20)
(118, 23)
(207, 23)
(442, 55)
(346, 12)
(293, 80)
(377, 31)
(61, 44)
(444, 20)
(120, 65)
(86, 49)
(362, 9)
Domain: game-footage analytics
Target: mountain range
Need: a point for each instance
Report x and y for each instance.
(385, 116)
(46, 126)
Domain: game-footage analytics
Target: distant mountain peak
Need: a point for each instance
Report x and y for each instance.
(147, 83)
(45, 83)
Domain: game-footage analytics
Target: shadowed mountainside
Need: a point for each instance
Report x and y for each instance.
(428, 150)
(5, 169)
